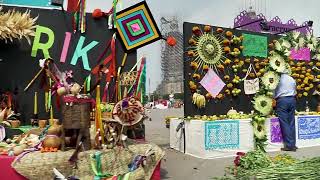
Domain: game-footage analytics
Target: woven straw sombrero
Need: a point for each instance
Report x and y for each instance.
(128, 111)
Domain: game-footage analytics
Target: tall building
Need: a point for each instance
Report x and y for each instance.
(171, 58)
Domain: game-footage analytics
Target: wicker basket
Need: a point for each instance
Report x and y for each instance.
(106, 115)
(37, 165)
(76, 116)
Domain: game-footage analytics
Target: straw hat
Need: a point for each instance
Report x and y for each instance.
(128, 111)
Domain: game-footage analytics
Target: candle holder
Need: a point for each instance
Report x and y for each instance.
(34, 120)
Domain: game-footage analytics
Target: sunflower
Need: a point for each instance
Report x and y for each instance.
(208, 50)
(263, 104)
(301, 42)
(285, 44)
(295, 34)
(259, 130)
(277, 46)
(277, 63)
(270, 80)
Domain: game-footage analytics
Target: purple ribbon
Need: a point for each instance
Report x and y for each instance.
(2, 133)
(27, 151)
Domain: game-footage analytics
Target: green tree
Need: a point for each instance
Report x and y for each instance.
(179, 96)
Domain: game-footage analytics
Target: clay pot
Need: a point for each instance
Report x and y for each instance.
(42, 123)
(55, 129)
(318, 108)
(51, 142)
(62, 91)
(53, 121)
(75, 89)
(15, 123)
(19, 149)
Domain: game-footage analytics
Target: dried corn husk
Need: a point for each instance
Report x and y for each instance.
(16, 25)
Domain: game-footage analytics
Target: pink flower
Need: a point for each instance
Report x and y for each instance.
(241, 153)
(236, 162)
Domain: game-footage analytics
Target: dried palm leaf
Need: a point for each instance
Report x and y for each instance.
(16, 25)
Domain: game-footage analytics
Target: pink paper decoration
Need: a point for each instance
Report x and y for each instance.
(135, 27)
(212, 83)
(65, 47)
(300, 54)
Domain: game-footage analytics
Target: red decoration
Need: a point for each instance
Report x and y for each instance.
(196, 31)
(171, 41)
(72, 5)
(97, 13)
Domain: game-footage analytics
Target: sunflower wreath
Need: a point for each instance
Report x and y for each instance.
(213, 49)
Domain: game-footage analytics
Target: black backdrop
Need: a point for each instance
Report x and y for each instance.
(219, 107)
(18, 67)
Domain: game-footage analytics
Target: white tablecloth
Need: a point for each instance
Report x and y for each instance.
(195, 138)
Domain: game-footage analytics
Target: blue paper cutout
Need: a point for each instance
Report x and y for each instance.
(308, 127)
(222, 135)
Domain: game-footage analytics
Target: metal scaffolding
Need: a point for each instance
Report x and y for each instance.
(171, 58)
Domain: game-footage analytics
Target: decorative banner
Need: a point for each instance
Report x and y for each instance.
(276, 135)
(137, 27)
(255, 45)
(309, 127)
(300, 54)
(275, 25)
(35, 3)
(222, 134)
(212, 83)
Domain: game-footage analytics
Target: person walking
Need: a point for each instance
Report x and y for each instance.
(285, 96)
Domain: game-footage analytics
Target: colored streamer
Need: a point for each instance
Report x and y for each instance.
(79, 18)
(111, 58)
(88, 83)
(133, 88)
(105, 93)
(114, 12)
(124, 59)
(96, 167)
(142, 78)
(142, 84)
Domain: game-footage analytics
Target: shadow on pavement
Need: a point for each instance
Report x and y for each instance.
(163, 174)
(166, 145)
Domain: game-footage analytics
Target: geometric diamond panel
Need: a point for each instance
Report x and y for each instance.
(136, 26)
